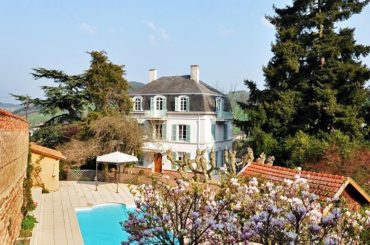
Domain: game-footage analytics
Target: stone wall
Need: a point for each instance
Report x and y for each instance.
(13, 162)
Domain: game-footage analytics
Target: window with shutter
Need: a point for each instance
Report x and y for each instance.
(219, 104)
(174, 130)
(188, 106)
(159, 103)
(164, 131)
(188, 135)
(137, 103)
(182, 132)
(133, 103)
(213, 129)
(222, 157)
(225, 131)
(152, 104)
(218, 158)
(164, 106)
(177, 104)
(158, 131)
(183, 103)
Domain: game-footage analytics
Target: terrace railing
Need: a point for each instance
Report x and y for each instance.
(155, 113)
(224, 115)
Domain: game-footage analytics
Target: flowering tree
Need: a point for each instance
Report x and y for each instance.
(196, 211)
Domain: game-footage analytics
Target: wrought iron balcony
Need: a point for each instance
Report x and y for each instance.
(224, 115)
(155, 114)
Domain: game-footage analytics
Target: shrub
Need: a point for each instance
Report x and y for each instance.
(336, 140)
(304, 148)
(27, 225)
(263, 142)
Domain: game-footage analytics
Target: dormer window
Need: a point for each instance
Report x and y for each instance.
(182, 103)
(219, 104)
(158, 103)
(138, 103)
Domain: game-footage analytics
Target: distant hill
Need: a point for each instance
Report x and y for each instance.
(35, 117)
(135, 85)
(9, 106)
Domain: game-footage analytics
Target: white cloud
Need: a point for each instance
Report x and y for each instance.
(266, 23)
(225, 32)
(88, 29)
(151, 25)
(156, 33)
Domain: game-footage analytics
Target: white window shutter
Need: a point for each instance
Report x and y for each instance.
(188, 104)
(177, 104)
(164, 131)
(174, 130)
(225, 131)
(152, 104)
(213, 131)
(164, 103)
(188, 133)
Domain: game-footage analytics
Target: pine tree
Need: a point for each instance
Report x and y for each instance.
(64, 102)
(315, 81)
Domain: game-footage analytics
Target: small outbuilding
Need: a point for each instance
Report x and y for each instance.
(323, 184)
(45, 166)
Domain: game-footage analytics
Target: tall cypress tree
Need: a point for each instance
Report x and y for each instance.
(315, 81)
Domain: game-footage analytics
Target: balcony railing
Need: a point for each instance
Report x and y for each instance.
(155, 114)
(224, 115)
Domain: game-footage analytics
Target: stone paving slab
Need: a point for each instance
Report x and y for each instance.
(56, 215)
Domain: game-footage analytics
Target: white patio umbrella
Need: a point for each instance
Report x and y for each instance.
(116, 158)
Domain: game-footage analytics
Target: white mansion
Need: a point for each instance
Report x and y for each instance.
(183, 114)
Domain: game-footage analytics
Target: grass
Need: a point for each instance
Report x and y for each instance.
(36, 118)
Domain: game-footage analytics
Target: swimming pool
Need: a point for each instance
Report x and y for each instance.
(100, 225)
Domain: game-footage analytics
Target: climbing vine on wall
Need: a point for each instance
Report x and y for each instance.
(28, 203)
(36, 173)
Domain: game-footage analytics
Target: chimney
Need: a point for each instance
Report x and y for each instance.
(152, 75)
(194, 73)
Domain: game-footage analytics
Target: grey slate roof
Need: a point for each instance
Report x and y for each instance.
(202, 96)
(176, 84)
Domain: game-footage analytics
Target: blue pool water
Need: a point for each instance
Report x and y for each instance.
(100, 225)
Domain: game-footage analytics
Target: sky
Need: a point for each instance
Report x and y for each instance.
(230, 39)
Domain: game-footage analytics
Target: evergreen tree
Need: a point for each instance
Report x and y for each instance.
(101, 90)
(64, 102)
(106, 86)
(315, 81)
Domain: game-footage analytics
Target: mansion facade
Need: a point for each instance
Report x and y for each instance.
(183, 114)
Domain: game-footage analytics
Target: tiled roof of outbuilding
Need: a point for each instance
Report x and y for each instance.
(322, 184)
(44, 151)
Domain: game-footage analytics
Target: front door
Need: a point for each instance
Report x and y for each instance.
(157, 162)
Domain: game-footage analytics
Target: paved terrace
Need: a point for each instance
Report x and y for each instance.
(56, 215)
